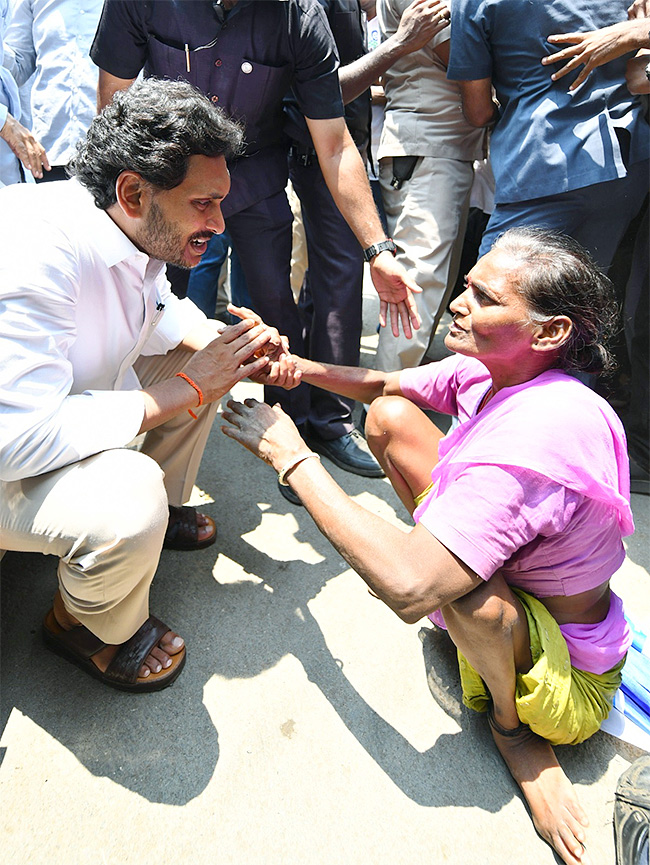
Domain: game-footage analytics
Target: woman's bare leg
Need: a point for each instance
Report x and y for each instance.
(489, 627)
(405, 443)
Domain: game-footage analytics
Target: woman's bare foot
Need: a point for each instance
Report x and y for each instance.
(556, 812)
(159, 659)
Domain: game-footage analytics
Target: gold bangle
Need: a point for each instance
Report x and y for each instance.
(292, 464)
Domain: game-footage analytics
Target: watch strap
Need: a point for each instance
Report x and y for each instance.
(376, 248)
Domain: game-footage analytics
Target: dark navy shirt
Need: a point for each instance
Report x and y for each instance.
(344, 17)
(245, 61)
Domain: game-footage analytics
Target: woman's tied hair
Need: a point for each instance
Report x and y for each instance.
(559, 277)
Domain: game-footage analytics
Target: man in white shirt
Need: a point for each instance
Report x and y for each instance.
(95, 349)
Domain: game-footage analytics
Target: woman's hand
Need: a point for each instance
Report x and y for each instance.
(265, 430)
(30, 151)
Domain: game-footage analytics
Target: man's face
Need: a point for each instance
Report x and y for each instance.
(179, 222)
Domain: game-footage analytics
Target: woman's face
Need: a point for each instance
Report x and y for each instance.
(491, 320)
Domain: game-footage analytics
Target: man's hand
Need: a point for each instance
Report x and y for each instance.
(281, 369)
(639, 9)
(30, 151)
(395, 289)
(420, 22)
(237, 352)
(596, 47)
(635, 75)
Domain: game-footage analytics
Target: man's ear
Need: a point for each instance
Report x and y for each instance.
(552, 334)
(132, 193)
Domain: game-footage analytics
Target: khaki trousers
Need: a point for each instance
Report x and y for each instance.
(105, 516)
(426, 219)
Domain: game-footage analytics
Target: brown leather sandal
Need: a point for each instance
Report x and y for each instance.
(78, 645)
(183, 530)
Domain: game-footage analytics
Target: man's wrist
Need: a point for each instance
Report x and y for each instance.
(371, 251)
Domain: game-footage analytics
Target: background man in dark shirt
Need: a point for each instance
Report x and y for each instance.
(246, 55)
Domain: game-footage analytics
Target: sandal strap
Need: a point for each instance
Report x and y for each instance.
(182, 520)
(126, 664)
(83, 642)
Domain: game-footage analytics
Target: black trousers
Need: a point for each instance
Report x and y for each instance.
(326, 325)
(331, 296)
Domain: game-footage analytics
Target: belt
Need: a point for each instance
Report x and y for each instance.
(303, 154)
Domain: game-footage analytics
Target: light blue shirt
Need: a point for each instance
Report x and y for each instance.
(52, 39)
(546, 140)
(9, 104)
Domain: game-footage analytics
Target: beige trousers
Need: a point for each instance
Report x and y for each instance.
(105, 516)
(426, 219)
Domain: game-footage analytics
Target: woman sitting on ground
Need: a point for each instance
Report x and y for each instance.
(519, 511)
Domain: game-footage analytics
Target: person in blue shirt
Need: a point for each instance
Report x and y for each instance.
(19, 148)
(575, 161)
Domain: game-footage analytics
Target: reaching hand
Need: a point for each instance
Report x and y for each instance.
(265, 430)
(30, 151)
(595, 48)
(420, 22)
(281, 369)
(236, 353)
(395, 289)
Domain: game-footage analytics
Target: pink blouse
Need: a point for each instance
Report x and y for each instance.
(535, 486)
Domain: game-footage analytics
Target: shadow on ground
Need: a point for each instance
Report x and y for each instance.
(164, 746)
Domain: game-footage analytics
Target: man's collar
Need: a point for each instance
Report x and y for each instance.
(109, 240)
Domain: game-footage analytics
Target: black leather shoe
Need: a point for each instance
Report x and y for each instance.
(639, 478)
(289, 495)
(349, 452)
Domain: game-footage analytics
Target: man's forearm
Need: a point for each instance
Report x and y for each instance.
(357, 77)
(347, 181)
(107, 85)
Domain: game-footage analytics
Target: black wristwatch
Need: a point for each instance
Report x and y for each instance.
(376, 248)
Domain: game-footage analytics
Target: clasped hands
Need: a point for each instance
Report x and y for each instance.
(248, 349)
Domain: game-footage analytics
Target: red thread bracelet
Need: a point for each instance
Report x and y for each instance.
(196, 388)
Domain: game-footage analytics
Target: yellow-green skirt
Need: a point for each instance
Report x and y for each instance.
(557, 701)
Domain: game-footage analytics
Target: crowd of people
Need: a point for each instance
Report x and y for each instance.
(173, 130)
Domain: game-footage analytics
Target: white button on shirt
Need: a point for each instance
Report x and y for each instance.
(78, 305)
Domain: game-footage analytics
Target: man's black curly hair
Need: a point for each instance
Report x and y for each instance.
(152, 128)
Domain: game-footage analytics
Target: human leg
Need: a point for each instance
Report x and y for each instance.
(405, 443)
(331, 299)
(489, 626)
(261, 234)
(426, 219)
(177, 446)
(104, 518)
